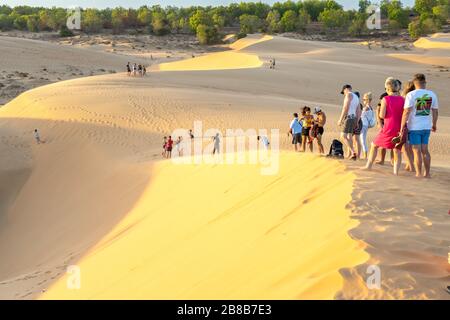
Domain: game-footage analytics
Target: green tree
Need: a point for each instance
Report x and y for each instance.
(207, 34)
(425, 6)
(198, 18)
(441, 12)
(273, 21)
(6, 22)
(144, 16)
(289, 21)
(32, 22)
(91, 20)
(334, 18)
(304, 19)
(159, 23)
(398, 14)
(358, 25)
(363, 5)
(20, 23)
(249, 23)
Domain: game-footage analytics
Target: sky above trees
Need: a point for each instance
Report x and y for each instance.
(137, 3)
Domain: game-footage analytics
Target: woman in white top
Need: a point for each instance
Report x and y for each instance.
(368, 121)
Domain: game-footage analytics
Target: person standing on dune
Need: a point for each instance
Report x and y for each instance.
(420, 116)
(391, 112)
(128, 69)
(169, 148)
(319, 125)
(307, 122)
(368, 121)
(37, 136)
(295, 129)
(349, 118)
(216, 139)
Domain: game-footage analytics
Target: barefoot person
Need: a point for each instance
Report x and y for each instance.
(128, 69)
(421, 116)
(391, 112)
(37, 136)
(307, 122)
(407, 150)
(216, 140)
(348, 118)
(169, 148)
(368, 121)
(163, 154)
(357, 132)
(319, 125)
(179, 146)
(295, 129)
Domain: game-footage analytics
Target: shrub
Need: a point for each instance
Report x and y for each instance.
(65, 32)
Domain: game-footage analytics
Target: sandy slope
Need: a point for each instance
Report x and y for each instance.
(94, 193)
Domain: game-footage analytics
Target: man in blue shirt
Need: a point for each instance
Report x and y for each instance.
(296, 131)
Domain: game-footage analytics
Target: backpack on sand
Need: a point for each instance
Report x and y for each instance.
(336, 149)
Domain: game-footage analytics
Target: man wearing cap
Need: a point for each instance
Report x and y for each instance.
(349, 118)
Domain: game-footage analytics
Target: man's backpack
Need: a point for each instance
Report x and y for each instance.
(336, 149)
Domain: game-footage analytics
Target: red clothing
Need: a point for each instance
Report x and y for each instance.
(392, 122)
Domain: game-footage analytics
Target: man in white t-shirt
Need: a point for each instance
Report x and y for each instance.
(295, 128)
(420, 115)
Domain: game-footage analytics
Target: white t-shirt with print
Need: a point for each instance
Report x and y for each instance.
(422, 101)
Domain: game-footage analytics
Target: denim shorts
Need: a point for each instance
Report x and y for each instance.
(417, 137)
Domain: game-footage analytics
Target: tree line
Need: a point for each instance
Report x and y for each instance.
(207, 23)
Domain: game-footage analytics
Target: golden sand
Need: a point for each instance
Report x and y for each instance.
(227, 233)
(233, 59)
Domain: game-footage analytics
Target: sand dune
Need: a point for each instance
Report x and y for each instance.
(96, 195)
(434, 60)
(221, 60)
(437, 41)
(226, 237)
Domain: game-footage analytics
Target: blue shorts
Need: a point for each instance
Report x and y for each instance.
(417, 137)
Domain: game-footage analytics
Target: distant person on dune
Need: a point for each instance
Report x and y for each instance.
(179, 146)
(169, 147)
(164, 148)
(37, 136)
(191, 134)
(134, 69)
(420, 116)
(391, 112)
(348, 119)
(295, 129)
(318, 128)
(308, 122)
(216, 140)
(128, 69)
(368, 121)
(264, 141)
(144, 70)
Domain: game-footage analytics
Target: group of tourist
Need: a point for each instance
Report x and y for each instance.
(307, 128)
(136, 69)
(405, 118)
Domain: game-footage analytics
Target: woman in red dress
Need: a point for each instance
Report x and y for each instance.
(391, 111)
